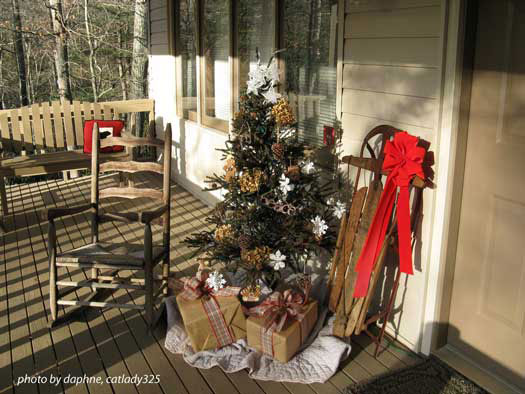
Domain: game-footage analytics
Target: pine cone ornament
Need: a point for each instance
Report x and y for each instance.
(278, 150)
(244, 241)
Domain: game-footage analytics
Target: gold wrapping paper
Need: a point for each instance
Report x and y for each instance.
(287, 341)
(198, 326)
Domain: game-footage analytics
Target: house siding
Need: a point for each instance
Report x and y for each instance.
(391, 74)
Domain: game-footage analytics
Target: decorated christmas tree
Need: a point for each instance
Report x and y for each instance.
(275, 211)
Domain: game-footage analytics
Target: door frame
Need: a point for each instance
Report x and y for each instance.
(458, 55)
(458, 66)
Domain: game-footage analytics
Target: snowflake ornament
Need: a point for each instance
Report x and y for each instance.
(215, 281)
(278, 260)
(284, 184)
(320, 226)
(339, 209)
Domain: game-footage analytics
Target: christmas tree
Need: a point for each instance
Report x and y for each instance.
(275, 211)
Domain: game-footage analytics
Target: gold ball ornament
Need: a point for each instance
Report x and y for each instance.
(223, 233)
(256, 257)
(251, 180)
(230, 169)
(282, 112)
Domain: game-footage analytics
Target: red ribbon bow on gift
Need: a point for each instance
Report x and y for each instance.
(278, 308)
(403, 160)
(196, 288)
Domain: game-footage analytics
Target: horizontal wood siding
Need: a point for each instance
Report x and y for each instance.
(391, 67)
(159, 27)
(408, 81)
(392, 75)
(388, 51)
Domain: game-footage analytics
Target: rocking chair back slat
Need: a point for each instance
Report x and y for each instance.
(131, 192)
(131, 141)
(131, 166)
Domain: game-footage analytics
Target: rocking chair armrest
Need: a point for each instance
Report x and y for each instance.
(129, 217)
(54, 213)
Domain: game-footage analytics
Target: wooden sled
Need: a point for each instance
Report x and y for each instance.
(351, 313)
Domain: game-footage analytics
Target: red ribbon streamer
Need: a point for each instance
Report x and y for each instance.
(403, 160)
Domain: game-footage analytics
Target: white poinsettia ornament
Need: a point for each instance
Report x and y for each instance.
(278, 260)
(284, 184)
(319, 226)
(271, 95)
(215, 281)
(308, 167)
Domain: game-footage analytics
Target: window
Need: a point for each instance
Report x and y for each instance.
(230, 31)
(256, 25)
(187, 50)
(215, 70)
(310, 62)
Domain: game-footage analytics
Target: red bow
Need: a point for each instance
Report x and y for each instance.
(278, 308)
(403, 159)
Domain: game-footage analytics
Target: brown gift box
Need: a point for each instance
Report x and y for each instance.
(287, 341)
(198, 326)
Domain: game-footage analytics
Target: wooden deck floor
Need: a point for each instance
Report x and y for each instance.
(114, 343)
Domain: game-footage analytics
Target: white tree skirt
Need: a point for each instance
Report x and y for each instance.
(317, 360)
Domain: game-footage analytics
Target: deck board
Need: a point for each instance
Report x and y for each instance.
(112, 342)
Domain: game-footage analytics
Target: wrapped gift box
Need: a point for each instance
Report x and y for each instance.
(198, 326)
(284, 343)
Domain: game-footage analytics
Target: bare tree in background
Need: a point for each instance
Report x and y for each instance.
(19, 50)
(138, 66)
(91, 55)
(60, 51)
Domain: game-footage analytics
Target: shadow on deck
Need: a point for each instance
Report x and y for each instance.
(114, 343)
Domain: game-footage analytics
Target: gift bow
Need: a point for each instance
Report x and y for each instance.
(278, 307)
(403, 160)
(196, 287)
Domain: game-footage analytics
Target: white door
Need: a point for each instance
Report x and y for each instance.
(487, 318)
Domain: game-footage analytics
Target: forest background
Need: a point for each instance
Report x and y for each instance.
(89, 50)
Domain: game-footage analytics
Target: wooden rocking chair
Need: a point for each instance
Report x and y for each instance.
(114, 257)
(351, 313)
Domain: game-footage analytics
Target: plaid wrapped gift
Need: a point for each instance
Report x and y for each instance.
(212, 318)
(280, 325)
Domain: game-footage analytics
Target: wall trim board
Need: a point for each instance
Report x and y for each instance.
(446, 159)
(196, 190)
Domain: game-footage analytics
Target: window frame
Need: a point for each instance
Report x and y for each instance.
(200, 117)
